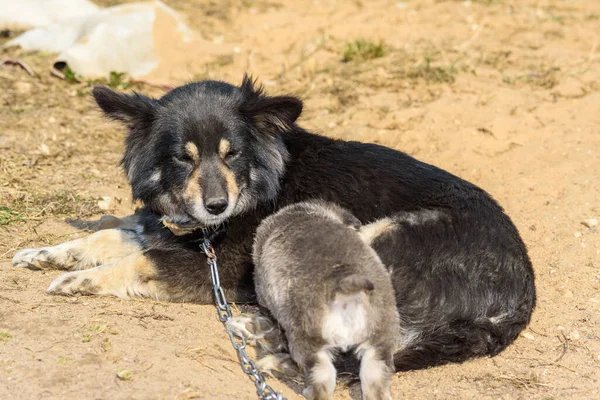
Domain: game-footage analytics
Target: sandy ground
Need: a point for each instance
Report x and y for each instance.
(505, 94)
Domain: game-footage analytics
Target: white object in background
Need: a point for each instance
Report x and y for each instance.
(136, 38)
(27, 14)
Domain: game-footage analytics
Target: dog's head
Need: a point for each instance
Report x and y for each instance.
(205, 151)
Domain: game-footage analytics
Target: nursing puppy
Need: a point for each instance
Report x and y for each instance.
(329, 291)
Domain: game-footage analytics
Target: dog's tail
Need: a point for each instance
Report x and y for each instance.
(354, 283)
(458, 342)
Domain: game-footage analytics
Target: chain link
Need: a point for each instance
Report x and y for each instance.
(264, 391)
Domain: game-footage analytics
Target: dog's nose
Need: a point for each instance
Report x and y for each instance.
(216, 205)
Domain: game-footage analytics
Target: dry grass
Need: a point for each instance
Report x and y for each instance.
(32, 206)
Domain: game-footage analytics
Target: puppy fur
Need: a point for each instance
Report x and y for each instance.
(218, 155)
(329, 292)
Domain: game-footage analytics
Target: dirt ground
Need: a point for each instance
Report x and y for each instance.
(505, 94)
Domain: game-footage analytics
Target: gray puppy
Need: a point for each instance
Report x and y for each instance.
(329, 291)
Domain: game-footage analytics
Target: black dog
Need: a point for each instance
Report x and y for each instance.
(214, 154)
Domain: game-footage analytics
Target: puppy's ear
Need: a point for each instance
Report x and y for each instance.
(124, 107)
(269, 114)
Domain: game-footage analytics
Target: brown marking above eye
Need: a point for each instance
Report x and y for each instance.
(224, 148)
(192, 151)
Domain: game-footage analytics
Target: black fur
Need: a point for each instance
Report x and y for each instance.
(464, 283)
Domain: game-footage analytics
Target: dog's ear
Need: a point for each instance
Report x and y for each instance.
(272, 114)
(124, 107)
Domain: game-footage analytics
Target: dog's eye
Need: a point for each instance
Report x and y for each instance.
(231, 154)
(183, 160)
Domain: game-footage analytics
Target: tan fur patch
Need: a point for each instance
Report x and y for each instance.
(132, 276)
(192, 188)
(368, 233)
(192, 150)
(232, 187)
(111, 244)
(99, 248)
(224, 147)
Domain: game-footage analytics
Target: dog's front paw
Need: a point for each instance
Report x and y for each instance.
(64, 256)
(251, 327)
(258, 330)
(33, 259)
(79, 282)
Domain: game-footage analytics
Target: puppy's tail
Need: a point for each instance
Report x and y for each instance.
(353, 284)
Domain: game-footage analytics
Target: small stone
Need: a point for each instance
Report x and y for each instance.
(574, 335)
(593, 300)
(528, 335)
(577, 234)
(590, 222)
(52, 120)
(105, 203)
(45, 149)
(568, 293)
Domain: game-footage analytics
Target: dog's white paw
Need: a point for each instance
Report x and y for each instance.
(253, 327)
(243, 326)
(279, 364)
(78, 282)
(33, 258)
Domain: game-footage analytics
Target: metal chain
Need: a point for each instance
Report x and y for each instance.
(264, 391)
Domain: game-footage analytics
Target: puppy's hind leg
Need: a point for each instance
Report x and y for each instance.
(376, 370)
(320, 376)
(98, 248)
